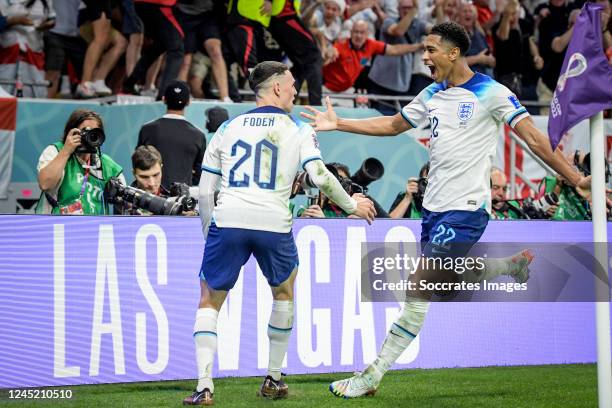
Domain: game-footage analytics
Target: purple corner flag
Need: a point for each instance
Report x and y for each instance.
(585, 84)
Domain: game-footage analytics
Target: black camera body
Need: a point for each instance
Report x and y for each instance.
(420, 194)
(536, 209)
(371, 170)
(117, 193)
(91, 140)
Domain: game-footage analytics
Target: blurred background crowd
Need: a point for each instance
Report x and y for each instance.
(97, 48)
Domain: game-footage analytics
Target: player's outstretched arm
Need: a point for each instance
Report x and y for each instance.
(540, 145)
(331, 187)
(380, 126)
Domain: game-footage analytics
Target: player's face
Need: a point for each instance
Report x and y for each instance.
(287, 91)
(438, 57)
(149, 180)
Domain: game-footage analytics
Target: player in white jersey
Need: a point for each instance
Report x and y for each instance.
(256, 156)
(464, 111)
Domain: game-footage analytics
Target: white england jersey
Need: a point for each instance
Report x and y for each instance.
(464, 123)
(257, 154)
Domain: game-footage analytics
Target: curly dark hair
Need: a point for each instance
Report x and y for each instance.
(453, 33)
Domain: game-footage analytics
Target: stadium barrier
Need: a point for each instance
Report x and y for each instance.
(113, 299)
(40, 123)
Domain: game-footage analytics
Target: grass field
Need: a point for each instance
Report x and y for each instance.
(527, 386)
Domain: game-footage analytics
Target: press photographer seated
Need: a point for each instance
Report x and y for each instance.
(501, 208)
(72, 173)
(544, 207)
(571, 205)
(147, 169)
(408, 204)
(320, 206)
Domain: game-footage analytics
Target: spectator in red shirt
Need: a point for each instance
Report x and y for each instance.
(353, 55)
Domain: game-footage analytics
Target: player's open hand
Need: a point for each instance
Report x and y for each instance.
(365, 208)
(322, 120)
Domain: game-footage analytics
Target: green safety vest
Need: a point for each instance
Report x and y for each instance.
(251, 9)
(278, 6)
(412, 210)
(571, 205)
(510, 214)
(69, 191)
(328, 212)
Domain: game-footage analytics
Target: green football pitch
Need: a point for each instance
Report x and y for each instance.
(525, 386)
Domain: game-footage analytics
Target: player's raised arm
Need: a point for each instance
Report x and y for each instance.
(357, 205)
(379, 126)
(540, 145)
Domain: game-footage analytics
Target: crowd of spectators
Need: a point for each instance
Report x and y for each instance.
(89, 48)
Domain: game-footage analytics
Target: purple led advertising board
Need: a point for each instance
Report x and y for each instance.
(113, 299)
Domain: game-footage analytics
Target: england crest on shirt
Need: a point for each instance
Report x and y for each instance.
(465, 111)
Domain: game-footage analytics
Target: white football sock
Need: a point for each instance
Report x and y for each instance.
(401, 334)
(279, 331)
(205, 338)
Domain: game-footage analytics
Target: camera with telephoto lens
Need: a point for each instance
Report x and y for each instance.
(537, 209)
(91, 140)
(371, 170)
(119, 194)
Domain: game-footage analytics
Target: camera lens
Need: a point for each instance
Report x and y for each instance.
(92, 138)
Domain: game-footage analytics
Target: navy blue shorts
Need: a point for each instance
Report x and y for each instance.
(228, 249)
(451, 233)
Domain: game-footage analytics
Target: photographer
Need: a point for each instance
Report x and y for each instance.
(147, 169)
(321, 206)
(324, 207)
(408, 204)
(571, 205)
(72, 173)
(502, 209)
